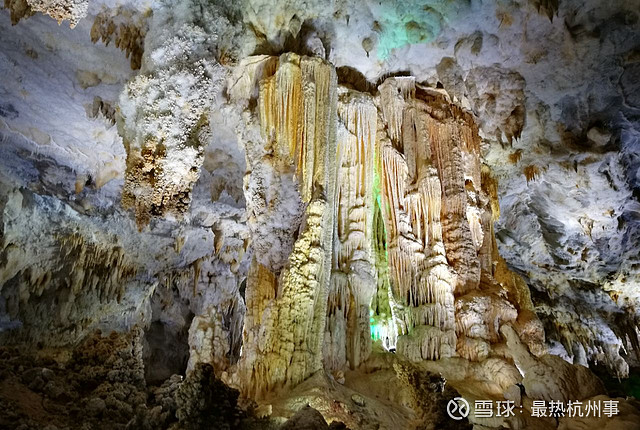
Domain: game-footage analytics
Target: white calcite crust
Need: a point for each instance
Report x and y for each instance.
(290, 191)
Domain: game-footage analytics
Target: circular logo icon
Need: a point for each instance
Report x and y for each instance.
(458, 408)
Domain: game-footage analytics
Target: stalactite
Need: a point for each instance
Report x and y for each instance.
(395, 245)
(446, 142)
(353, 279)
(19, 9)
(411, 197)
(384, 318)
(209, 342)
(490, 187)
(439, 203)
(94, 268)
(286, 311)
(531, 173)
(415, 113)
(196, 275)
(124, 26)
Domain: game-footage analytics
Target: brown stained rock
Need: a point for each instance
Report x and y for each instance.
(60, 10)
(283, 335)
(306, 418)
(19, 9)
(126, 28)
(430, 395)
(202, 399)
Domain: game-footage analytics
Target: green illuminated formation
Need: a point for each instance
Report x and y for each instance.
(407, 23)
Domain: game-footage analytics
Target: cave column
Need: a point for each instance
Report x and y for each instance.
(353, 278)
(422, 282)
(286, 310)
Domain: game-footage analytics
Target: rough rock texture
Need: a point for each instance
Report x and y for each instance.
(297, 108)
(316, 204)
(202, 399)
(60, 10)
(430, 396)
(164, 119)
(306, 418)
(94, 269)
(100, 385)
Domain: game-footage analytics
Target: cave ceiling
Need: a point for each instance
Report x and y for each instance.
(282, 189)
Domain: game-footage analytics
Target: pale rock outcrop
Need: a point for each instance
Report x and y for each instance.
(164, 132)
(549, 377)
(498, 98)
(208, 342)
(164, 116)
(297, 114)
(60, 10)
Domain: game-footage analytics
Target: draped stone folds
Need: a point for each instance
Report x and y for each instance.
(392, 236)
(421, 279)
(284, 325)
(353, 279)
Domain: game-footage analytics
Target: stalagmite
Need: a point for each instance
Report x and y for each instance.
(286, 311)
(208, 342)
(353, 280)
(421, 281)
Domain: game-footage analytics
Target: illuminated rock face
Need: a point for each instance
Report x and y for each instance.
(390, 233)
(385, 189)
(286, 308)
(354, 276)
(60, 10)
(422, 281)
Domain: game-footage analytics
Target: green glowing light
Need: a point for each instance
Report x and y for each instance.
(412, 22)
(377, 332)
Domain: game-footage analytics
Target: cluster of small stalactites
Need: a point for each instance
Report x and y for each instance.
(126, 28)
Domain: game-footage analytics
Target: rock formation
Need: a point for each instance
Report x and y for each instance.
(60, 10)
(347, 215)
(286, 309)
